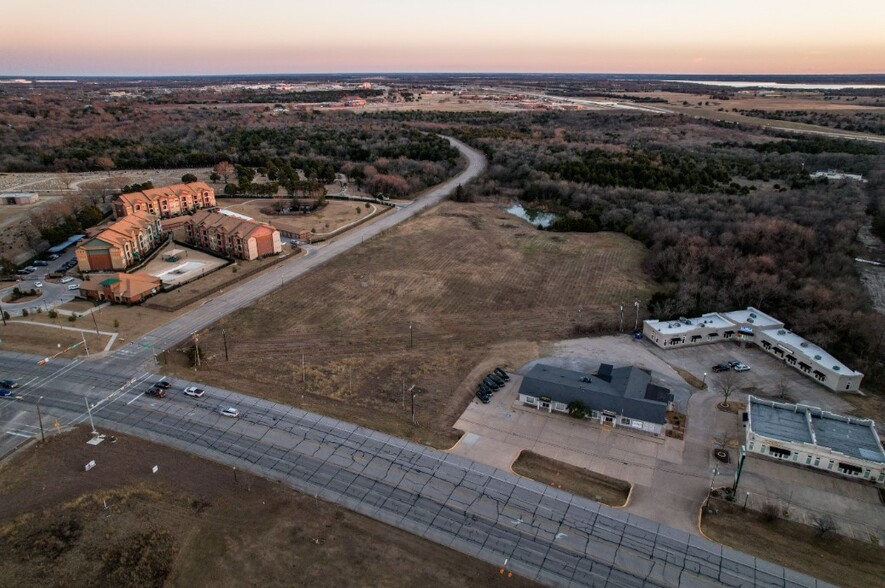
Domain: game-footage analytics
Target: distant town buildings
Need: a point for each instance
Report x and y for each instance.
(122, 244)
(232, 236)
(808, 436)
(166, 201)
(13, 198)
(120, 288)
(616, 397)
(754, 326)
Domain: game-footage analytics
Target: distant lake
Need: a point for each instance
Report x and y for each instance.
(782, 86)
(536, 217)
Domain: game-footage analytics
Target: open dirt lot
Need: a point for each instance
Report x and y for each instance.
(195, 523)
(334, 215)
(422, 304)
(842, 561)
(46, 340)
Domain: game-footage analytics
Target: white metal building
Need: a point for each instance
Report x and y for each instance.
(754, 326)
(812, 437)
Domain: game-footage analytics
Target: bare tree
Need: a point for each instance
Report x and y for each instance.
(782, 389)
(824, 524)
(727, 386)
(105, 163)
(225, 169)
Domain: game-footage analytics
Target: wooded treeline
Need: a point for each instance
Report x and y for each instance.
(730, 216)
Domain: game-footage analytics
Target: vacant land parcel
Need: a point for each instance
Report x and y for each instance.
(421, 305)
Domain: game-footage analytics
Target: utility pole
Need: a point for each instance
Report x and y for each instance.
(85, 346)
(621, 327)
(404, 394)
(40, 418)
(224, 336)
(2, 315)
(94, 322)
(636, 322)
(412, 390)
(302, 367)
(196, 351)
(411, 341)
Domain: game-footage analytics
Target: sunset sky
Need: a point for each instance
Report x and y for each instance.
(169, 37)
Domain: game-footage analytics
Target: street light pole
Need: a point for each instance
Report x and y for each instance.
(705, 378)
(91, 422)
(40, 418)
(636, 322)
(411, 340)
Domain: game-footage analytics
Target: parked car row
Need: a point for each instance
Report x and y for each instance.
(490, 384)
(731, 365)
(71, 263)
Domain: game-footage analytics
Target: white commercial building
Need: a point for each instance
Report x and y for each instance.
(808, 436)
(754, 326)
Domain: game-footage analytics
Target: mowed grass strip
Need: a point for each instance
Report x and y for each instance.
(466, 277)
(580, 481)
(833, 558)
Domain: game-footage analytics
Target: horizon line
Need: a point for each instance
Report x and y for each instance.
(428, 73)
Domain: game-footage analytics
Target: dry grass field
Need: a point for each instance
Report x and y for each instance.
(580, 481)
(474, 283)
(334, 215)
(195, 523)
(833, 558)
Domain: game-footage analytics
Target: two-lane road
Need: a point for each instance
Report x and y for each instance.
(167, 335)
(495, 515)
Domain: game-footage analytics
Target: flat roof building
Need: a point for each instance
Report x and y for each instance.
(809, 436)
(623, 396)
(754, 326)
(14, 198)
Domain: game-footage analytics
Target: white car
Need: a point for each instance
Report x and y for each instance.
(741, 367)
(194, 391)
(66, 279)
(230, 411)
(73, 287)
(38, 284)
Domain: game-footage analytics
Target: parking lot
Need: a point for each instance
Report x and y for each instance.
(764, 375)
(804, 494)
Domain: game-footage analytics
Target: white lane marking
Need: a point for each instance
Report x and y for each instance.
(136, 398)
(18, 434)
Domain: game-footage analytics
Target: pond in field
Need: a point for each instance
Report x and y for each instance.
(536, 217)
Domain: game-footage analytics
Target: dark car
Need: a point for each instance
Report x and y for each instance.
(490, 383)
(497, 380)
(5, 393)
(502, 374)
(722, 367)
(734, 363)
(163, 384)
(484, 398)
(9, 384)
(41, 263)
(485, 389)
(158, 392)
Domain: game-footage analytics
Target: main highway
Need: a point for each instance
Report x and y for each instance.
(534, 530)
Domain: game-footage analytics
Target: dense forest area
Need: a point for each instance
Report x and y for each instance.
(731, 216)
(58, 132)
(860, 121)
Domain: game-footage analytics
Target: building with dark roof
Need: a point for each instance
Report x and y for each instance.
(622, 396)
(809, 436)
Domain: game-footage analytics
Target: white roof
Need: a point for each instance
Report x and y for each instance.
(753, 316)
(813, 354)
(711, 320)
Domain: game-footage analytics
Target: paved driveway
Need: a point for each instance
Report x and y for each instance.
(53, 294)
(670, 477)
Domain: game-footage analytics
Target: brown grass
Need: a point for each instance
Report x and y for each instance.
(194, 524)
(47, 341)
(466, 277)
(335, 214)
(835, 559)
(580, 481)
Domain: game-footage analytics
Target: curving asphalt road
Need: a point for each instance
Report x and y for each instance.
(534, 530)
(165, 336)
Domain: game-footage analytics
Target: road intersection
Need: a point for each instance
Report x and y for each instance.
(539, 531)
